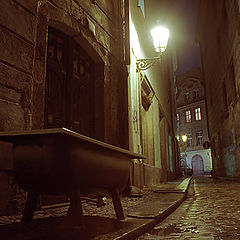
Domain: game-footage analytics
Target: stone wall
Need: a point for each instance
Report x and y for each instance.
(220, 48)
(97, 27)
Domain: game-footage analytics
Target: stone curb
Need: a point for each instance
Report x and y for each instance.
(133, 234)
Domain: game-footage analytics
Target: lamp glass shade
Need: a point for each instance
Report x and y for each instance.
(160, 37)
(184, 138)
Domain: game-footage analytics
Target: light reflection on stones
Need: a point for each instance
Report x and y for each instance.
(211, 213)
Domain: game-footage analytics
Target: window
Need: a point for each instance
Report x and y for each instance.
(186, 96)
(141, 5)
(188, 116)
(189, 140)
(196, 93)
(199, 137)
(178, 119)
(198, 115)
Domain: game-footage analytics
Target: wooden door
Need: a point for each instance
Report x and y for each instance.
(80, 93)
(69, 91)
(56, 78)
(197, 165)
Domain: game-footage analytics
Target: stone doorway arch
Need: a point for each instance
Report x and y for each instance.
(90, 120)
(197, 165)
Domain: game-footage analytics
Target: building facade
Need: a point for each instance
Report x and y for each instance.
(151, 101)
(192, 122)
(218, 36)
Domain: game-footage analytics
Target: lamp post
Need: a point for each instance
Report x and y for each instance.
(183, 147)
(160, 37)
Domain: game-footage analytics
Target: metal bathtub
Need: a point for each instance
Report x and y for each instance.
(60, 161)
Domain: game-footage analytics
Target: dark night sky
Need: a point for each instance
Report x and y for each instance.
(185, 33)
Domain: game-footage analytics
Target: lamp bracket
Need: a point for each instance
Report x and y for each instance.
(146, 63)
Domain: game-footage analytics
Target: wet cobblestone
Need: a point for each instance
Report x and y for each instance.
(211, 212)
(88, 208)
(138, 198)
(100, 223)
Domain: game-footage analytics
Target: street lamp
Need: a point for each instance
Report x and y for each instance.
(184, 138)
(160, 37)
(183, 147)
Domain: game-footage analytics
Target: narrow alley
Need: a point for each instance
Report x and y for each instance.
(119, 119)
(211, 212)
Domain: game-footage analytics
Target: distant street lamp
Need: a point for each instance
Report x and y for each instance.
(182, 142)
(184, 138)
(160, 37)
(183, 147)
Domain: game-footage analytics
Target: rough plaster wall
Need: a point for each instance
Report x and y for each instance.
(147, 135)
(138, 171)
(156, 134)
(134, 90)
(151, 141)
(134, 114)
(159, 77)
(164, 146)
(237, 139)
(231, 132)
(221, 49)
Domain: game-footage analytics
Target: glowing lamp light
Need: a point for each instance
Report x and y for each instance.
(184, 138)
(160, 37)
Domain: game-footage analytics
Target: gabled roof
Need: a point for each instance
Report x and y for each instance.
(188, 79)
(194, 74)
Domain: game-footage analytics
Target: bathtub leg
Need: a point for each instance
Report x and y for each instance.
(77, 211)
(30, 207)
(69, 212)
(117, 204)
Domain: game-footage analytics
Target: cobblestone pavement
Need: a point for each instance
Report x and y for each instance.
(137, 198)
(211, 212)
(88, 208)
(100, 222)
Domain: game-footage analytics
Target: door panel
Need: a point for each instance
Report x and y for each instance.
(69, 89)
(80, 96)
(197, 165)
(56, 76)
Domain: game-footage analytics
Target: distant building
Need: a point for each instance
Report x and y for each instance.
(192, 121)
(219, 40)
